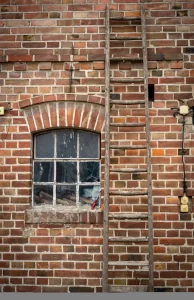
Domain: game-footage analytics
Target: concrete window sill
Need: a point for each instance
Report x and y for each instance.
(65, 215)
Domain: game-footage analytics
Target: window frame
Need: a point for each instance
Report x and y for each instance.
(77, 160)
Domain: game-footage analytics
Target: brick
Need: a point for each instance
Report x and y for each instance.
(79, 289)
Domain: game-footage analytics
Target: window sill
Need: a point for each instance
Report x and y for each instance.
(65, 215)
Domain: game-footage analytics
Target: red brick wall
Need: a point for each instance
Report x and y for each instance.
(54, 251)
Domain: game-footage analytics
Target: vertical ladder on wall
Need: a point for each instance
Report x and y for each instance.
(108, 284)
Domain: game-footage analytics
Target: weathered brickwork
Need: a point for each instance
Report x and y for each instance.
(52, 75)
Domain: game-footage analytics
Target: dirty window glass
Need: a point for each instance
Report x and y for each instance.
(67, 144)
(88, 145)
(66, 172)
(66, 195)
(43, 172)
(44, 145)
(43, 194)
(89, 171)
(66, 168)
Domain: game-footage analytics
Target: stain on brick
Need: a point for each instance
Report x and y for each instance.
(42, 273)
(115, 96)
(4, 9)
(185, 217)
(27, 37)
(182, 13)
(189, 50)
(157, 73)
(160, 290)
(183, 152)
(135, 257)
(55, 15)
(80, 289)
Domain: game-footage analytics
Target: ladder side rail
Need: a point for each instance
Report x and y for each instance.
(149, 176)
(107, 156)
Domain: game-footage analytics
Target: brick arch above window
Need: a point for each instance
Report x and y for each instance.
(70, 110)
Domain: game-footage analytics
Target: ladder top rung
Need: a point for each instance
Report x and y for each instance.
(128, 170)
(125, 18)
(127, 80)
(125, 38)
(128, 263)
(128, 124)
(125, 193)
(127, 102)
(128, 239)
(126, 58)
(128, 215)
(128, 147)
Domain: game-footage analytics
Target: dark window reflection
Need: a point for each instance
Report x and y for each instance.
(67, 172)
(43, 194)
(88, 145)
(44, 145)
(66, 144)
(43, 172)
(89, 171)
(66, 194)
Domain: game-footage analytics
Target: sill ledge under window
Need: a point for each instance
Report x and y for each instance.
(64, 215)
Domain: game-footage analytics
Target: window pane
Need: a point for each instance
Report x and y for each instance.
(43, 194)
(67, 172)
(88, 144)
(89, 171)
(66, 195)
(67, 143)
(89, 193)
(43, 172)
(44, 145)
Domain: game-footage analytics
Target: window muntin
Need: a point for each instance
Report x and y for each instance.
(66, 168)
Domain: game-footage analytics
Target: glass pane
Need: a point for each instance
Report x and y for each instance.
(88, 145)
(67, 144)
(43, 172)
(89, 193)
(43, 194)
(44, 145)
(66, 195)
(89, 171)
(67, 172)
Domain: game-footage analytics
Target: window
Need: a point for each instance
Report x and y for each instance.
(66, 168)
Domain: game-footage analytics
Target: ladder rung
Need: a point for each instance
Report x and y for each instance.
(127, 102)
(128, 170)
(128, 289)
(128, 80)
(126, 58)
(128, 239)
(128, 216)
(128, 124)
(124, 193)
(130, 38)
(128, 263)
(125, 18)
(128, 147)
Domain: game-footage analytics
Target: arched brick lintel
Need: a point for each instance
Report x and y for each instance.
(62, 97)
(60, 114)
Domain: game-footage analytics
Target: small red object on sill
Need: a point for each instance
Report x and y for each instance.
(94, 204)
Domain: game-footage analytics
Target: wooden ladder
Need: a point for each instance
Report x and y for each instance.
(108, 191)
